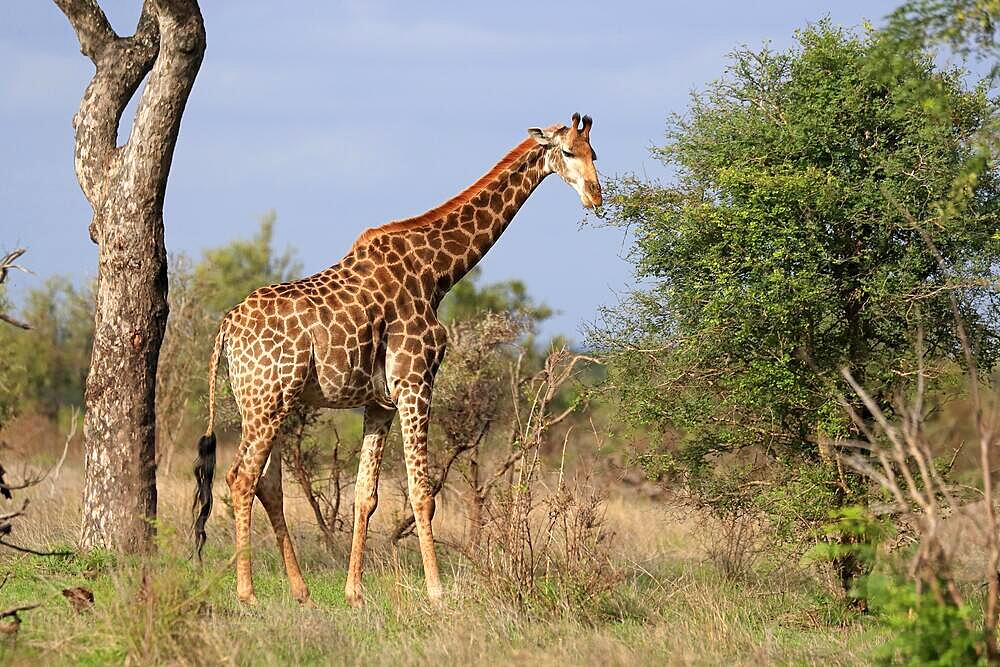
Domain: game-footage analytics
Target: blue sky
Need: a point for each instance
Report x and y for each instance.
(344, 115)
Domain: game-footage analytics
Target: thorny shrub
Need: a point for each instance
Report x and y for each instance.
(547, 554)
(539, 549)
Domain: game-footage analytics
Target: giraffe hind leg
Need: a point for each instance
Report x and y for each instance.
(270, 494)
(243, 479)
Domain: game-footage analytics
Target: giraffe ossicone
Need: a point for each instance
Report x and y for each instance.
(364, 333)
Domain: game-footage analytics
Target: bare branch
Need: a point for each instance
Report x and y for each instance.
(62, 459)
(4, 518)
(6, 265)
(15, 322)
(6, 528)
(403, 527)
(291, 452)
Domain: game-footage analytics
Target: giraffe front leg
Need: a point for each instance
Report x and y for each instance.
(414, 411)
(378, 420)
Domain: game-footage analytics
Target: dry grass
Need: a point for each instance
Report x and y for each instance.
(668, 606)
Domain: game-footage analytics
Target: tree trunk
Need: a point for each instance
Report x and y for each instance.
(847, 565)
(125, 186)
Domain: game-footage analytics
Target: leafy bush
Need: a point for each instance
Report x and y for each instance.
(925, 630)
(784, 249)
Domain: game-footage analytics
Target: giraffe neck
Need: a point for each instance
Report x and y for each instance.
(469, 231)
(445, 243)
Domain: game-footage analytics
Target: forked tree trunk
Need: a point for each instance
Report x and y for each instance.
(125, 186)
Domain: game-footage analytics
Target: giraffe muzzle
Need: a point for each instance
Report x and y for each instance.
(593, 198)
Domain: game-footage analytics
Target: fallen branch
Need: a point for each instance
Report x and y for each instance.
(14, 611)
(33, 552)
(7, 527)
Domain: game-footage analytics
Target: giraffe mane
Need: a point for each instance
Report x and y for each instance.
(462, 198)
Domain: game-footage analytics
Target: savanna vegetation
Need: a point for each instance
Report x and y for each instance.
(779, 448)
(798, 239)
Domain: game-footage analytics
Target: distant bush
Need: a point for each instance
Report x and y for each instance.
(925, 630)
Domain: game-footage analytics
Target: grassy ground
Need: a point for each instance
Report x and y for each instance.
(669, 607)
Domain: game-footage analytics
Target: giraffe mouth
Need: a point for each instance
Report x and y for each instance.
(590, 195)
(591, 201)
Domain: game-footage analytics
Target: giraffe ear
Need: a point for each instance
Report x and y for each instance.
(541, 136)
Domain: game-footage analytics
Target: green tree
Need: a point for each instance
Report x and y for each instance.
(48, 366)
(786, 243)
(468, 299)
(227, 274)
(967, 27)
(200, 292)
(11, 372)
(963, 28)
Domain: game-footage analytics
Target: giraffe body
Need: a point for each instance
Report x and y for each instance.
(328, 344)
(364, 333)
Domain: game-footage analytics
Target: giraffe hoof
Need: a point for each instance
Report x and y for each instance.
(307, 602)
(300, 592)
(436, 596)
(355, 599)
(249, 599)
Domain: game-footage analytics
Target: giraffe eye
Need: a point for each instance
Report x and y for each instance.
(566, 153)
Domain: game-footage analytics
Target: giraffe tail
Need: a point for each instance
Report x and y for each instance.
(204, 467)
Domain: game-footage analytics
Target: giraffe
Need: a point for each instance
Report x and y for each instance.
(364, 333)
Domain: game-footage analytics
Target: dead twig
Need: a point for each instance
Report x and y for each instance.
(7, 264)
(404, 527)
(62, 459)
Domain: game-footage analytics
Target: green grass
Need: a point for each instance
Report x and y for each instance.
(668, 605)
(681, 613)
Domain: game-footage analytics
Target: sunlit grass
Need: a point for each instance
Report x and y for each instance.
(670, 607)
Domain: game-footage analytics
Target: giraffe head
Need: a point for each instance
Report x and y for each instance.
(570, 155)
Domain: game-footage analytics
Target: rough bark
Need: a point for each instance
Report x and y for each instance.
(125, 186)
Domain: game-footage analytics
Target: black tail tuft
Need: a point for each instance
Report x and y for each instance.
(204, 472)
